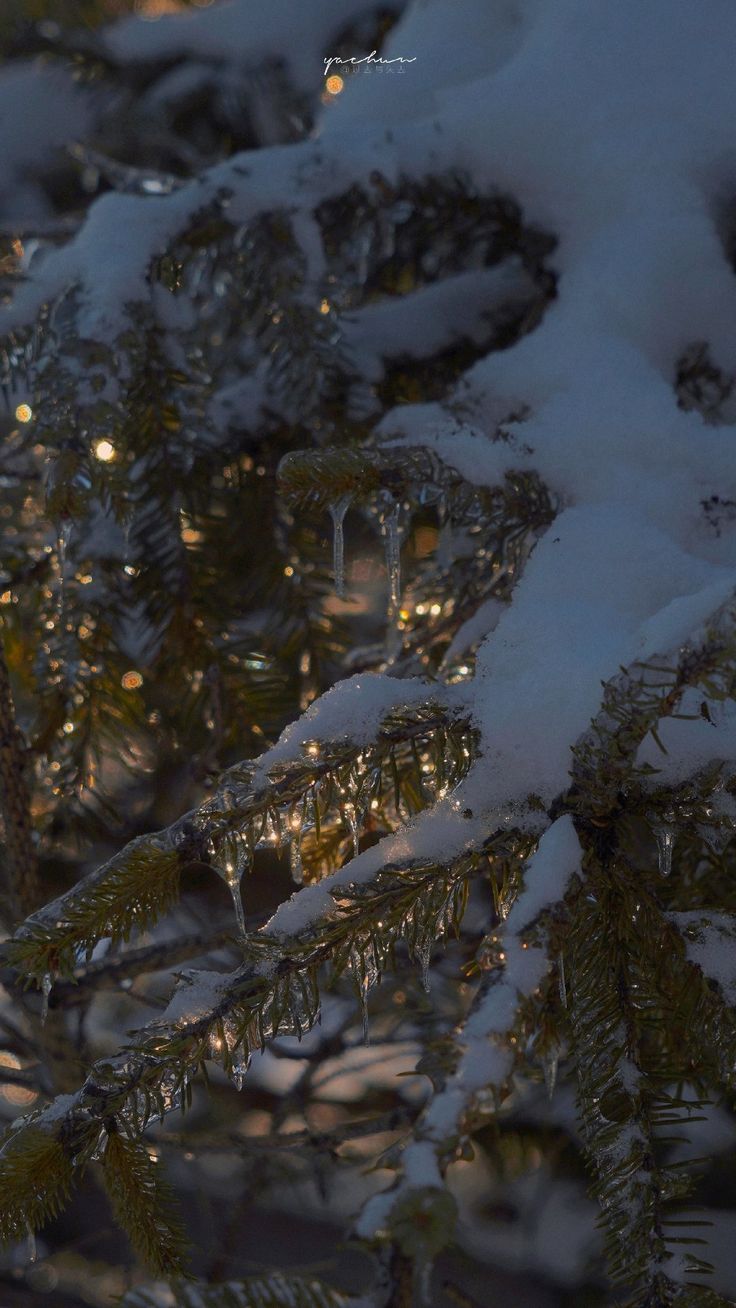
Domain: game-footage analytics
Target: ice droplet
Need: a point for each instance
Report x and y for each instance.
(392, 543)
(337, 513)
(665, 835)
(46, 985)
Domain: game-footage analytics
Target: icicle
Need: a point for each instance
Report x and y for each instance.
(238, 907)
(393, 557)
(128, 567)
(364, 1012)
(215, 1046)
(562, 982)
(665, 835)
(423, 954)
(46, 985)
(32, 1250)
(351, 819)
(551, 1064)
(337, 513)
(366, 973)
(240, 1065)
(297, 866)
(295, 850)
(98, 1152)
(233, 876)
(62, 542)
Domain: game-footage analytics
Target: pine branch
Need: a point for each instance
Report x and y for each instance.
(143, 1204)
(142, 881)
(20, 863)
(277, 994)
(635, 702)
(642, 1021)
(37, 1180)
(107, 973)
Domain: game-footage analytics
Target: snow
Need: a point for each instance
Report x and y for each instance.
(610, 125)
(548, 874)
(197, 994)
(484, 619)
(428, 320)
(55, 1112)
(589, 602)
(691, 741)
(353, 710)
(710, 941)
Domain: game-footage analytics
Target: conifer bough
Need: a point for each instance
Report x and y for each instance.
(462, 317)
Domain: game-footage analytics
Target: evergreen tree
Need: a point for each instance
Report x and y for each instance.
(368, 646)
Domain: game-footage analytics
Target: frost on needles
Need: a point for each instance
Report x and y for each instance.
(494, 295)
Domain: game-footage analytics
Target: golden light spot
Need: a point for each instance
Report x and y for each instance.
(325, 306)
(15, 1094)
(104, 451)
(6, 597)
(288, 572)
(191, 536)
(334, 84)
(68, 728)
(24, 413)
(435, 610)
(131, 680)
(153, 9)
